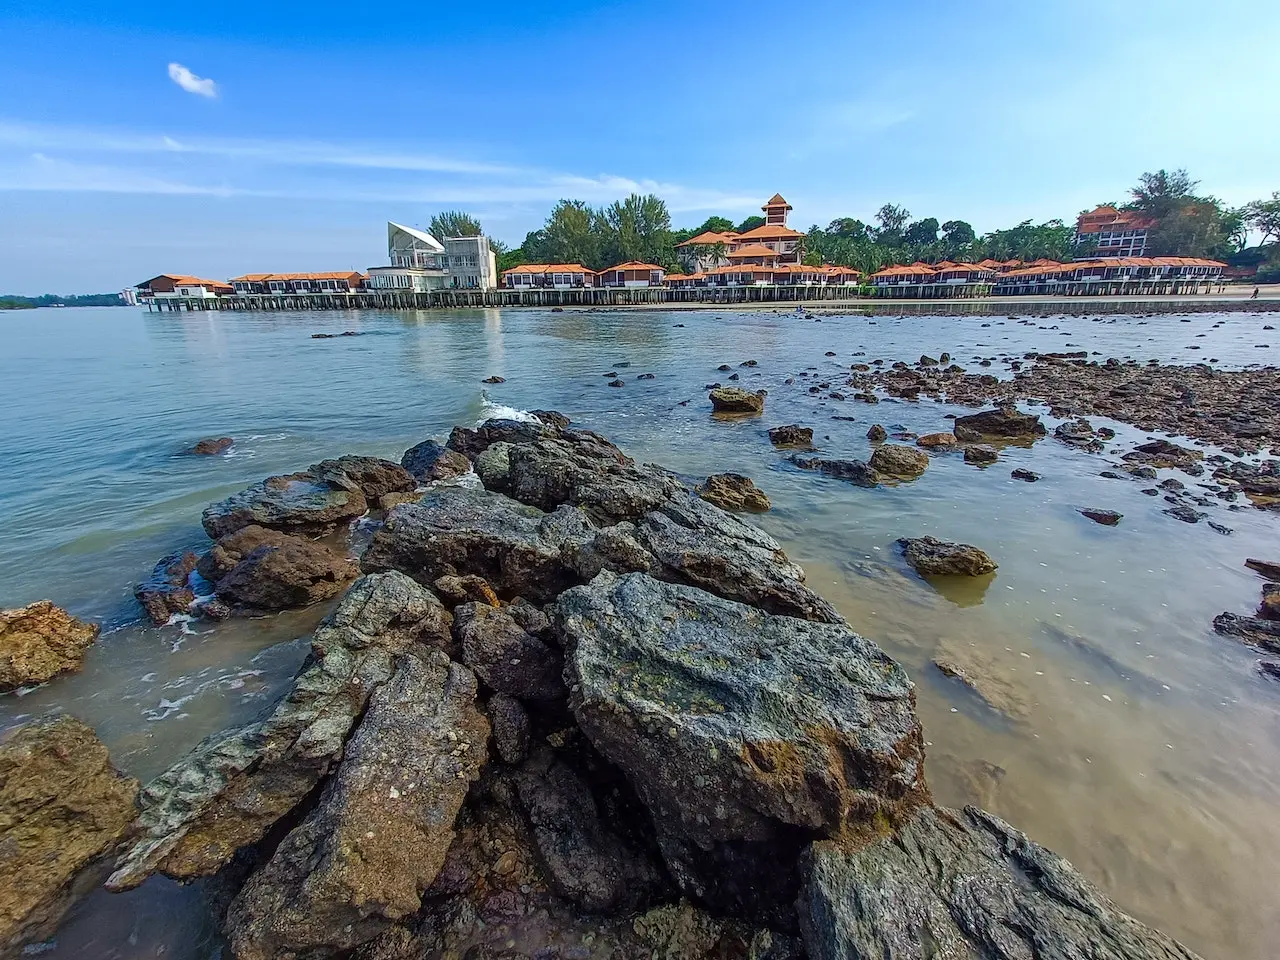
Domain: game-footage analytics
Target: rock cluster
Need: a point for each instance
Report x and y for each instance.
(590, 708)
(40, 641)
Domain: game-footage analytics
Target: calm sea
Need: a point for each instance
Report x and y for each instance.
(1142, 746)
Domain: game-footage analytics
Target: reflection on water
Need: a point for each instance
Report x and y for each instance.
(1109, 721)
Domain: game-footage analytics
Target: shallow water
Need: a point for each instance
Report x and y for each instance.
(1144, 748)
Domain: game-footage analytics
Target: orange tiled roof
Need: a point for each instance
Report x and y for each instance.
(1106, 216)
(897, 270)
(770, 231)
(250, 278)
(548, 268)
(777, 201)
(633, 265)
(710, 238)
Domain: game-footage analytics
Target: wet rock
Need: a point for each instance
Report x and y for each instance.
(732, 491)
(585, 862)
(985, 679)
(296, 503)
(470, 442)
(211, 446)
(980, 454)
(896, 460)
(379, 835)
(430, 460)
(1255, 631)
(389, 501)
(274, 571)
(1029, 476)
(371, 476)
(1161, 454)
(1108, 518)
(494, 379)
(854, 471)
(1265, 567)
(454, 590)
(1269, 669)
(510, 728)
(877, 433)
(63, 807)
(734, 400)
(1185, 514)
(40, 641)
(674, 686)
(792, 435)
(1079, 434)
(227, 792)
(1269, 606)
(506, 657)
(1004, 423)
(936, 440)
(167, 590)
(932, 557)
(552, 418)
(617, 383)
(493, 466)
(962, 884)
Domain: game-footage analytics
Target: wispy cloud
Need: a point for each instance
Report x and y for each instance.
(188, 81)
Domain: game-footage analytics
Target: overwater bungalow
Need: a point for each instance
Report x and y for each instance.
(549, 276)
(182, 285)
(633, 273)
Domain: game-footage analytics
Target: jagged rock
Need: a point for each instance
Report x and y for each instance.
(1004, 423)
(229, 551)
(510, 728)
(1185, 513)
(493, 466)
(40, 641)
(227, 792)
(470, 442)
(1269, 606)
(1030, 476)
(283, 573)
(210, 446)
(1161, 454)
(877, 433)
(63, 806)
(1255, 631)
(899, 461)
(1268, 569)
(932, 557)
(792, 435)
(1081, 435)
(735, 400)
(383, 825)
(552, 418)
(733, 491)
(854, 471)
(454, 590)
(518, 549)
(745, 734)
(584, 860)
(373, 477)
(1108, 518)
(936, 440)
(980, 454)
(430, 460)
(389, 501)
(962, 885)
(494, 379)
(505, 656)
(296, 503)
(167, 591)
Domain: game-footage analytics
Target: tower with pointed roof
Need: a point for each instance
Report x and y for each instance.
(775, 210)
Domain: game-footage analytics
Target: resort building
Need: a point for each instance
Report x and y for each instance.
(181, 285)
(783, 242)
(281, 284)
(405, 279)
(413, 248)
(469, 263)
(633, 273)
(1119, 233)
(707, 250)
(549, 276)
(425, 263)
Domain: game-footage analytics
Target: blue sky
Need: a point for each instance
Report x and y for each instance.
(290, 132)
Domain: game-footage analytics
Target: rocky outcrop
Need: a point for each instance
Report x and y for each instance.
(877, 434)
(167, 591)
(1162, 454)
(260, 569)
(233, 787)
(745, 734)
(301, 503)
(1259, 632)
(736, 400)
(379, 835)
(470, 442)
(896, 461)
(733, 491)
(962, 885)
(63, 806)
(40, 641)
(433, 461)
(935, 441)
(1265, 567)
(1079, 434)
(371, 476)
(505, 656)
(932, 557)
(792, 435)
(1002, 423)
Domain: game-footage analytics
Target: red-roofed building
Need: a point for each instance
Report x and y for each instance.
(633, 273)
(182, 285)
(1119, 233)
(548, 276)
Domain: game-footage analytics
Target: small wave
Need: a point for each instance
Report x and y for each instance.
(500, 411)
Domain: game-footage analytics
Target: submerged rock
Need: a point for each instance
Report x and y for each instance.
(379, 835)
(745, 734)
(734, 400)
(733, 491)
(167, 590)
(1255, 631)
(1108, 518)
(981, 454)
(227, 792)
(962, 885)
(63, 806)
(854, 471)
(1003, 423)
(40, 641)
(1029, 476)
(899, 461)
(933, 557)
(211, 446)
(1162, 454)
(296, 503)
(792, 435)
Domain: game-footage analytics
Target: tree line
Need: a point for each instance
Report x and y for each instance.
(1186, 222)
(14, 302)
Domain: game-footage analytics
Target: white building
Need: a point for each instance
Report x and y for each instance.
(420, 262)
(470, 263)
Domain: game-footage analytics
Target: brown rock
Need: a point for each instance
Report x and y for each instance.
(264, 569)
(792, 435)
(389, 501)
(735, 400)
(40, 641)
(980, 454)
(877, 433)
(1004, 423)
(432, 461)
(732, 491)
(1108, 518)
(62, 806)
(897, 460)
(453, 590)
(211, 446)
(510, 727)
(1269, 570)
(371, 476)
(166, 591)
(932, 440)
(932, 557)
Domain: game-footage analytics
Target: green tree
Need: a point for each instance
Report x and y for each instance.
(1161, 193)
(570, 235)
(714, 225)
(893, 220)
(849, 227)
(637, 228)
(957, 237)
(922, 232)
(1264, 217)
(750, 224)
(454, 223)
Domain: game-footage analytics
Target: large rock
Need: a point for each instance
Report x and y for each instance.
(227, 793)
(296, 503)
(378, 837)
(899, 461)
(167, 591)
(1002, 423)
(433, 461)
(791, 435)
(62, 807)
(280, 572)
(932, 557)
(471, 442)
(956, 885)
(505, 656)
(40, 641)
(733, 491)
(452, 531)
(371, 476)
(736, 400)
(745, 734)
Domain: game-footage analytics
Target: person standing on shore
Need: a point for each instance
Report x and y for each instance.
(1254, 295)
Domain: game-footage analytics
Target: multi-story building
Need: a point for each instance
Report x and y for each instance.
(1119, 233)
(783, 243)
(421, 262)
(470, 263)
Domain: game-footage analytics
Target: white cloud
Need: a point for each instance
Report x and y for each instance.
(188, 81)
